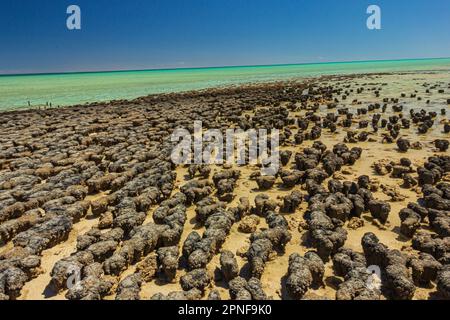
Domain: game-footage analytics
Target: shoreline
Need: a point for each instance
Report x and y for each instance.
(71, 89)
(230, 66)
(221, 89)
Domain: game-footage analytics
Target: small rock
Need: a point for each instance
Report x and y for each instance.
(249, 224)
(346, 171)
(355, 223)
(106, 220)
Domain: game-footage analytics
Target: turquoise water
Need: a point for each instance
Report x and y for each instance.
(78, 88)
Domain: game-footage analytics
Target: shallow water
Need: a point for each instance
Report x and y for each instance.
(393, 85)
(78, 88)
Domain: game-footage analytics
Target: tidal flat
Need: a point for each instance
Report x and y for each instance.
(92, 207)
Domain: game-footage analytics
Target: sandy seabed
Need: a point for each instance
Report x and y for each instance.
(70, 175)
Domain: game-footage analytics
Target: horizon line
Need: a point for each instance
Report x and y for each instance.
(214, 67)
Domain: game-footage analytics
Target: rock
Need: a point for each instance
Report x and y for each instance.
(190, 295)
(148, 267)
(255, 287)
(374, 251)
(263, 204)
(207, 207)
(427, 176)
(285, 156)
(249, 224)
(189, 244)
(168, 261)
(12, 280)
(292, 201)
(441, 144)
(103, 249)
(358, 204)
(195, 279)
(409, 181)
(203, 170)
(447, 127)
(93, 285)
(45, 235)
(403, 145)
(217, 226)
(358, 283)
(226, 174)
(410, 222)
(10, 228)
(432, 245)
(214, 295)
(228, 265)
(265, 182)
(100, 205)
(327, 235)
(424, 269)
(238, 289)
(106, 220)
(393, 192)
(355, 223)
(67, 267)
(258, 254)
(129, 288)
(421, 211)
(293, 179)
(303, 272)
(443, 282)
(439, 222)
(338, 206)
(364, 182)
(397, 279)
(129, 220)
(143, 240)
(279, 236)
(398, 171)
(225, 186)
(197, 190)
(436, 202)
(335, 186)
(380, 168)
(380, 210)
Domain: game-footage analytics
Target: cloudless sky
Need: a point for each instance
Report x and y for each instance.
(145, 34)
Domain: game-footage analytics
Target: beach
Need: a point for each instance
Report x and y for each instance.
(89, 190)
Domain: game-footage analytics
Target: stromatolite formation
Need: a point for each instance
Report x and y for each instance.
(99, 179)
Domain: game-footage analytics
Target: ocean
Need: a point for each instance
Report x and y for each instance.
(79, 88)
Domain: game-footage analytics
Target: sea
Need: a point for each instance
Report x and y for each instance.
(63, 89)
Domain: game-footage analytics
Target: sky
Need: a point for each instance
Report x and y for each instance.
(154, 34)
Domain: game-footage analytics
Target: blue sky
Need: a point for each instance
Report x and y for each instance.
(145, 34)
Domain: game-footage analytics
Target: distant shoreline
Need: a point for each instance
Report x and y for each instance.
(225, 89)
(219, 67)
(183, 94)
